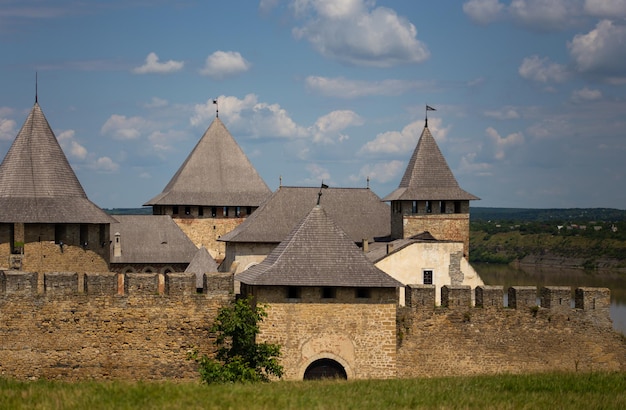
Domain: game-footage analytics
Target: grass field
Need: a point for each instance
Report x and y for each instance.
(553, 391)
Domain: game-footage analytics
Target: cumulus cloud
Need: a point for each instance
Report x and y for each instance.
(344, 88)
(318, 174)
(380, 172)
(327, 128)
(483, 11)
(502, 143)
(505, 113)
(7, 129)
(354, 32)
(153, 66)
(163, 142)
(71, 146)
(542, 70)
(251, 117)
(394, 142)
(544, 14)
(123, 128)
(606, 8)
(222, 64)
(104, 164)
(156, 103)
(586, 94)
(601, 52)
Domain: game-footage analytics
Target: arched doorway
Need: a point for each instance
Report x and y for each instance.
(325, 369)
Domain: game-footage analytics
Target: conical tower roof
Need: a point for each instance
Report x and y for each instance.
(216, 173)
(317, 253)
(37, 183)
(428, 176)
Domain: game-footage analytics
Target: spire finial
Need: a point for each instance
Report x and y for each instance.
(217, 108)
(280, 181)
(319, 195)
(36, 85)
(428, 108)
(368, 182)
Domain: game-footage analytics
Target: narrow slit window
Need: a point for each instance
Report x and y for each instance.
(428, 277)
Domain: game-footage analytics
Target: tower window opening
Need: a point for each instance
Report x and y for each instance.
(428, 277)
(414, 207)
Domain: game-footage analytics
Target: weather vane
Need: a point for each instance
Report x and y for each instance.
(428, 108)
(319, 195)
(217, 108)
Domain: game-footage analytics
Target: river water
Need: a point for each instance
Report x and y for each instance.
(507, 276)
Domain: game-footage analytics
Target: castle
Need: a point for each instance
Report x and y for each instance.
(354, 288)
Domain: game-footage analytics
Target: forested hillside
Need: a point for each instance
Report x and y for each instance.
(585, 238)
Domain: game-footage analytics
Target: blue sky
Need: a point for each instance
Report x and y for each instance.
(530, 94)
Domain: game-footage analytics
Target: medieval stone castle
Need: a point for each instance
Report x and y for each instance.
(353, 287)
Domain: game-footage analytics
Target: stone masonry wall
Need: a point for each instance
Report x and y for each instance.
(449, 227)
(93, 333)
(492, 339)
(206, 232)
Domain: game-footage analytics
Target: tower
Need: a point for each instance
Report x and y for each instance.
(429, 197)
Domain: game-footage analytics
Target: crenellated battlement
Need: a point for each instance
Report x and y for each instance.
(63, 284)
(554, 298)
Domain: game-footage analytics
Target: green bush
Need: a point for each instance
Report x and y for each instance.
(238, 357)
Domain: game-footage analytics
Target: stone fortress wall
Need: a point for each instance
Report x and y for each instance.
(141, 326)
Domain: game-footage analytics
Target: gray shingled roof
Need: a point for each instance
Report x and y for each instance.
(201, 263)
(427, 175)
(317, 253)
(37, 183)
(358, 211)
(151, 239)
(216, 173)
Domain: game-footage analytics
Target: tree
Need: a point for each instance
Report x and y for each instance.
(238, 357)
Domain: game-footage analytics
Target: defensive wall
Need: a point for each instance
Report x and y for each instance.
(142, 325)
(522, 337)
(106, 326)
(206, 232)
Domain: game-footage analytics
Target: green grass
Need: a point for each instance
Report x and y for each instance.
(571, 391)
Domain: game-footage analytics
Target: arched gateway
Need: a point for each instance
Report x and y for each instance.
(325, 369)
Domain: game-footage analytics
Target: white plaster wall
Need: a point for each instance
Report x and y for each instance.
(407, 265)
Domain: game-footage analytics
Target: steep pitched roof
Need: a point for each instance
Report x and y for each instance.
(358, 211)
(201, 263)
(317, 253)
(427, 175)
(37, 183)
(151, 239)
(216, 173)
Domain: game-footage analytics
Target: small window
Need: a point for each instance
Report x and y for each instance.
(442, 207)
(102, 239)
(457, 207)
(293, 292)
(59, 233)
(329, 293)
(249, 210)
(225, 211)
(238, 211)
(200, 211)
(213, 212)
(84, 235)
(175, 210)
(428, 277)
(187, 210)
(414, 207)
(363, 293)
(429, 207)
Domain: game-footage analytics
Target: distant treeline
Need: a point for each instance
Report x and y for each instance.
(129, 211)
(548, 214)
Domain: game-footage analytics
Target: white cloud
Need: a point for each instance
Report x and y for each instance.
(71, 146)
(156, 103)
(394, 142)
(601, 52)
(222, 64)
(352, 32)
(104, 164)
(483, 11)
(123, 128)
(328, 127)
(505, 113)
(317, 174)
(248, 116)
(153, 65)
(163, 142)
(586, 94)
(606, 8)
(439, 132)
(380, 172)
(344, 88)
(542, 70)
(469, 165)
(545, 14)
(7, 129)
(502, 143)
